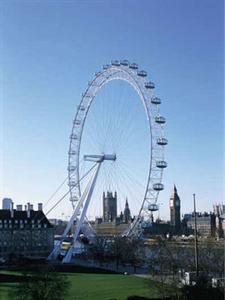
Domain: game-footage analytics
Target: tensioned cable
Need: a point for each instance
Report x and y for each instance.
(130, 191)
(58, 188)
(69, 191)
(56, 191)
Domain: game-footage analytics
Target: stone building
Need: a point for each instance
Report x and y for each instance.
(125, 217)
(109, 207)
(205, 222)
(219, 211)
(111, 224)
(25, 233)
(221, 226)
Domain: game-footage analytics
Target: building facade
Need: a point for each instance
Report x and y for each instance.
(219, 211)
(7, 203)
(25, 233)
(125, 217)
(175, 209)
(111, 224)
(205, 223)
(109, 207)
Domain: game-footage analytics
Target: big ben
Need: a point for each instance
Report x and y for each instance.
(175, 209)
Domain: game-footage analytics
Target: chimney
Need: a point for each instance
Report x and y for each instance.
(12, 210)
(28, 209)
(31, 207)
(40, 206)
(19, 207)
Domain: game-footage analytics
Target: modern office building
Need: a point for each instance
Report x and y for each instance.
(6, 203)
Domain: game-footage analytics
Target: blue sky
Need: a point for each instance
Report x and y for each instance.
(50, 49)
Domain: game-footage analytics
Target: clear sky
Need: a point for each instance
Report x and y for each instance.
(50, 49)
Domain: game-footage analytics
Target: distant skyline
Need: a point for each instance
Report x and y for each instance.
(50, 49)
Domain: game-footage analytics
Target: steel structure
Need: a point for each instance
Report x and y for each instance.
(79, 213)
(129, 72)
(117, 70)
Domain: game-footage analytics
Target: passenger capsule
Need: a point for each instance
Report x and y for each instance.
(105, 67)
(86, 95)
(72, 183)
(82, 108)
(160, 120)
(149, 85)
(142, 73)
(158, 186)
(73, 136)
(72, 152)
(115, 63)
(124, 62)
(74, 199)
(71, 168)
(161, 164)
(155, 100)
(162, 141)
(76, 122)
(153, 207)
(133, 66)
(97, 73)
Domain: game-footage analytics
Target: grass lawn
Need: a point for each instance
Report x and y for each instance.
(99, 287)
(107, 286)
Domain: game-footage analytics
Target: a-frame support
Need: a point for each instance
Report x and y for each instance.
(79, 215)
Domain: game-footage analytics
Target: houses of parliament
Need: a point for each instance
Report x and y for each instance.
(111, 223)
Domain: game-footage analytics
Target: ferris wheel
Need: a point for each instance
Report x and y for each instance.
(81, 196)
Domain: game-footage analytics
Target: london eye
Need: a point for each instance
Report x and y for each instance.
(127, 142)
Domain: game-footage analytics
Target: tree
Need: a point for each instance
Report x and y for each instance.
(164, 264)
(126, 250)
(98, 248)
(211, 257)
(201, 291)
(44, 284)
(168, 257)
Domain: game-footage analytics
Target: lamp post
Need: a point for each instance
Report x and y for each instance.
(196, 240)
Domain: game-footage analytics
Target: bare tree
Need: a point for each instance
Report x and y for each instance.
(44, 284)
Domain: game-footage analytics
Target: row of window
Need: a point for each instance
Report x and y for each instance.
(23, 237)
(23, 244)
(19, 221)
(21, 225)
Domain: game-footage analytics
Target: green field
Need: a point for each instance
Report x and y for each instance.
(100, 287)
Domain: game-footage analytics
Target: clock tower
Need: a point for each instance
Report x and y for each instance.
(175, 209)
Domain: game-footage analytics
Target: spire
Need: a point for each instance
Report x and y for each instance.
(174, 192)
(175, 208)
(127, 215)
(175, 189)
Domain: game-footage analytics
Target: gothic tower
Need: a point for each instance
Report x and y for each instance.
(175, 209)
(109, 207)
(127, 216)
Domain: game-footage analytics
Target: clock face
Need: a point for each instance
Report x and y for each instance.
(171, 203)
